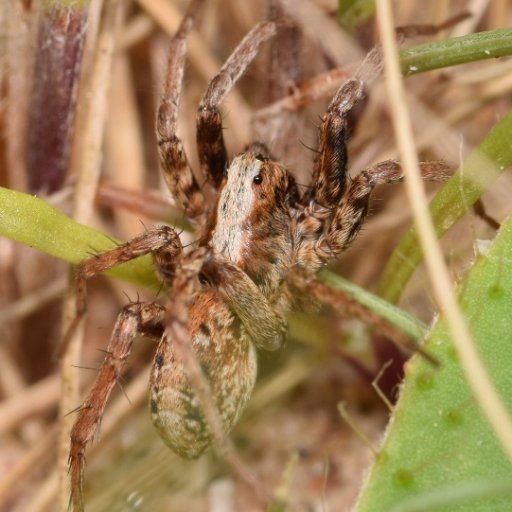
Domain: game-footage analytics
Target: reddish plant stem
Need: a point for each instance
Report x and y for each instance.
(59, 51)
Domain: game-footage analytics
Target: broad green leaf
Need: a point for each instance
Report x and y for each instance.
(440, 452)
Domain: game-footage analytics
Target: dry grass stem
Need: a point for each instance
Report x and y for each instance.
(31, 401)
(30, 459)
(87, 155)
(31, 303)
(123, 131)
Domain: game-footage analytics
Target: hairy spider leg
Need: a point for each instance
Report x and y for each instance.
(164, 243)
(339, 204)
(346, 306)
(330, 176)
(176, 169)
(210, 142)
(353, 206)
(136, 318)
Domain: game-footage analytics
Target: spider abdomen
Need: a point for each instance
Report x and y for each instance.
(228, 362)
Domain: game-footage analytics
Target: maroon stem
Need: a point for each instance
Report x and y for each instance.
(52, 110)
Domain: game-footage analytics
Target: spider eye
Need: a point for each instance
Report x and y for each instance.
(258, 179)
(203, 280)
(260, 157)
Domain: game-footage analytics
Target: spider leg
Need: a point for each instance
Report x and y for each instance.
(330, 176)
(210, 141)
(264, 321)
(163, 242)
(173, 159)
(135, 318)
(177, 341)
(346, 305)
(353, 206)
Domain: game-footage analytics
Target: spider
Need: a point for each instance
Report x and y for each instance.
(258, 243)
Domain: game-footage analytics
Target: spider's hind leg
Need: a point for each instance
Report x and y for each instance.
(135, 318)
(348, 306)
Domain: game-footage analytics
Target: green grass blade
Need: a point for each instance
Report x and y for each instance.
(480, 169)
(456, 50)
(392, 314)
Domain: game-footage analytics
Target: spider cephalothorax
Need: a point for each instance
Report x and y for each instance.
(232, 290)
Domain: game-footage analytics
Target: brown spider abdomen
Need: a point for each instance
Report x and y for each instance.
(227, 359)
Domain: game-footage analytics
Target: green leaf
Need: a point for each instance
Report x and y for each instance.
(352, 13)
(438, 438)
(35, 223)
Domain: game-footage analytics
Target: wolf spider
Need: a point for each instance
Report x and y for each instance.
(258, 244)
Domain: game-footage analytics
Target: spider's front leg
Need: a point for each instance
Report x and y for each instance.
(330, 177)
(173, 159)
(162, 242)
(210, 142)
(337, 201)
(353, 207)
